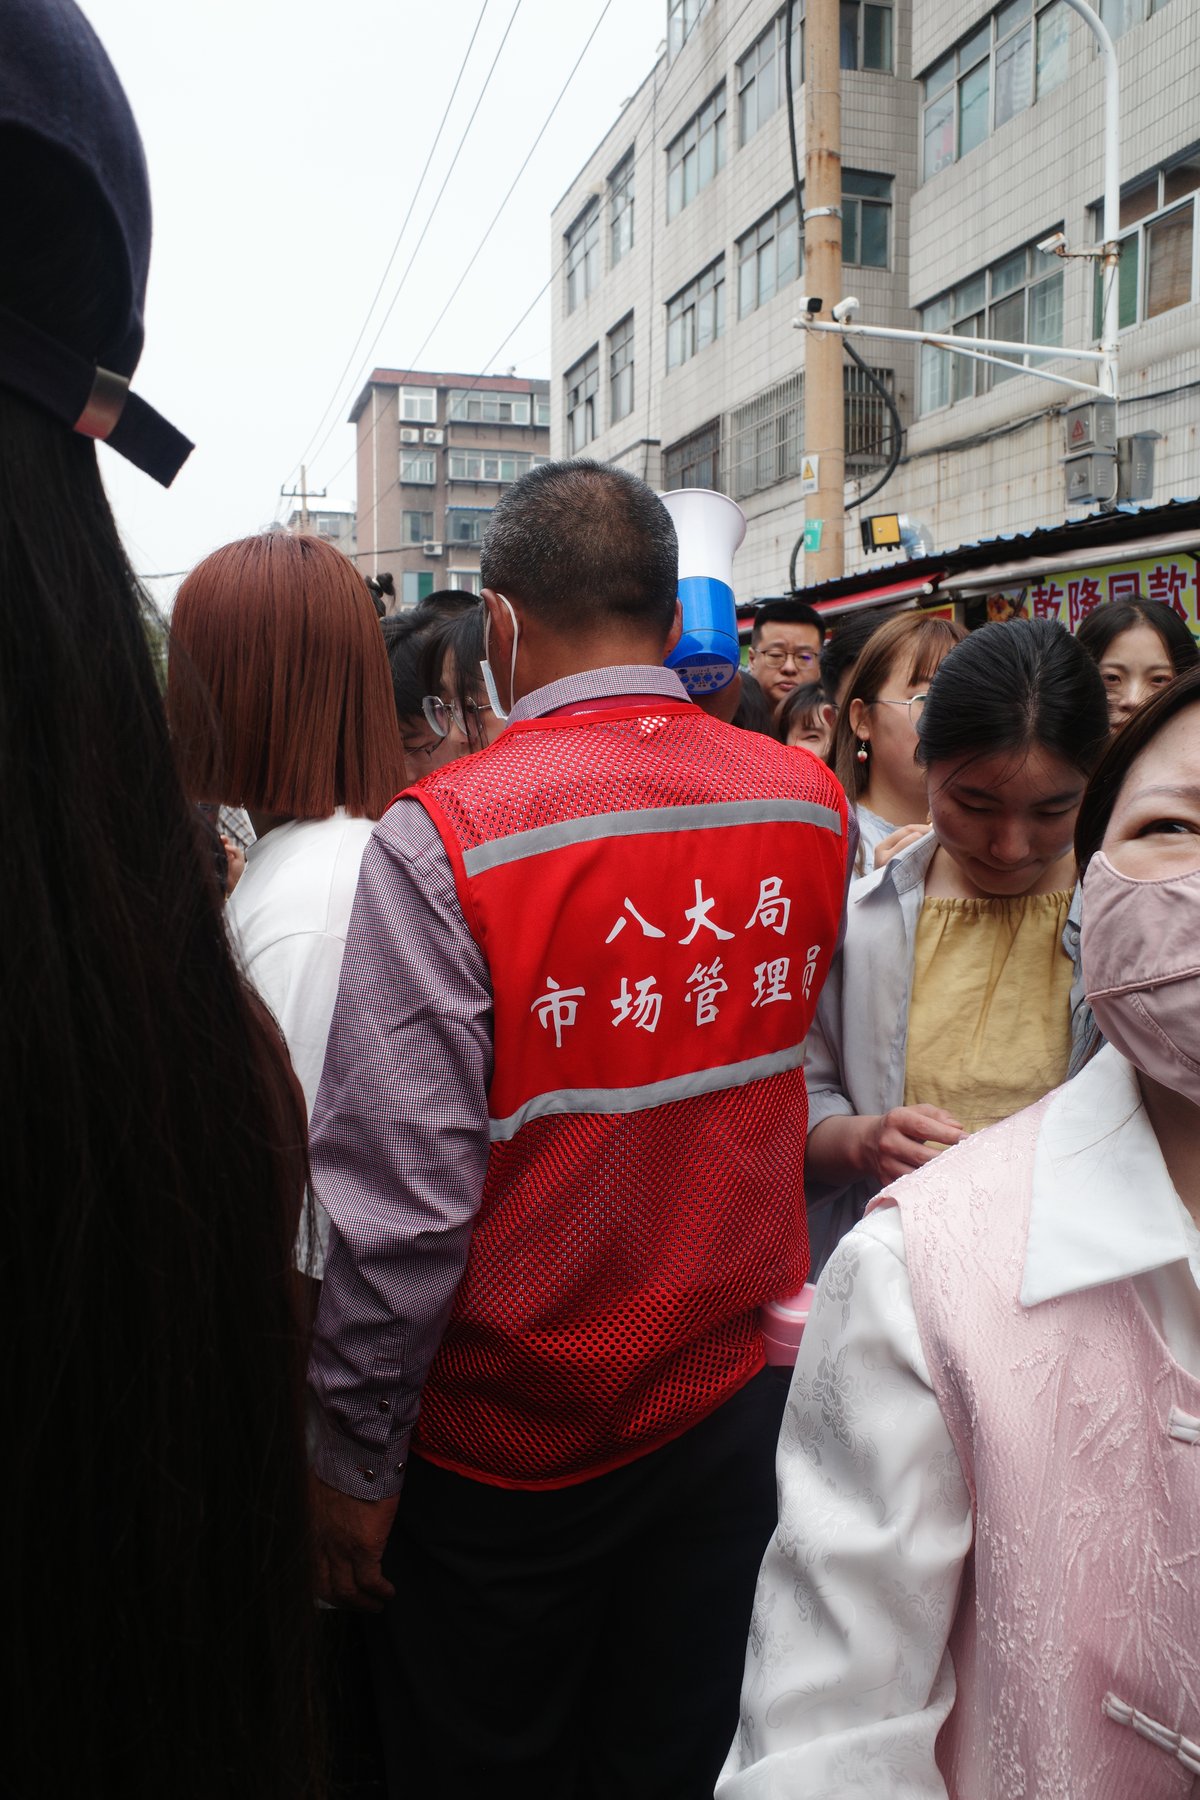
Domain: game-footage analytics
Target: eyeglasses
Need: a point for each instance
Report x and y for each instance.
(803, 659)
(916, 706)
(441, 714)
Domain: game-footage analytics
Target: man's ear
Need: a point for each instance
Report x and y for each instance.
(676, 631)
(501, 626)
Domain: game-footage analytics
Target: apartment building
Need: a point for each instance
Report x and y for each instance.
(335, 525)
(434, 452)
(970, 133)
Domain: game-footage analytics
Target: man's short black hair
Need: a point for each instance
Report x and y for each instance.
(787, 612)
(584, 545)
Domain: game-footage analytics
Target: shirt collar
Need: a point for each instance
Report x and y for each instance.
(901, 872)
(1103, 1206)
(600, 684)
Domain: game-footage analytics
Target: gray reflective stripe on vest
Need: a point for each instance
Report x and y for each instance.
(649, 820)
(655, 1093)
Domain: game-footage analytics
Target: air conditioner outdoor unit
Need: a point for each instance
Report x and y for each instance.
(410, 435)
(432, 549)
(434, 437)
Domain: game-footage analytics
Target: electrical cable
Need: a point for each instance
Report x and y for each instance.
(897, 432)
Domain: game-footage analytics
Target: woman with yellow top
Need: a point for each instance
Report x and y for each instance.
(950, 1005)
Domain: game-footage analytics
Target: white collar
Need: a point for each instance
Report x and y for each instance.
(1103, 1206)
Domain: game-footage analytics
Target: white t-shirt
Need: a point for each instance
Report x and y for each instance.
(288, 917)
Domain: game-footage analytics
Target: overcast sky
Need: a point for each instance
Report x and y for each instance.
(285, 140)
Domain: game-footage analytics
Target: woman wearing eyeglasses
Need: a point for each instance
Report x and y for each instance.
(951, 1004)
(875, 740)
(457, 709)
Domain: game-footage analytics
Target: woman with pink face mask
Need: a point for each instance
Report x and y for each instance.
(983, 1580)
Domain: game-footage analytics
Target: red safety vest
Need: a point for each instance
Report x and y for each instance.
(657, 896)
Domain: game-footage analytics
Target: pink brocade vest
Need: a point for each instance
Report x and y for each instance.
(1076, 1642)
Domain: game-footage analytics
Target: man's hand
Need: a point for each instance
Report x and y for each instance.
(349, 1536)
(898, 1141)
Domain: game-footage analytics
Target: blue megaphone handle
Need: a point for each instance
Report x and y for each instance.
(707, 656)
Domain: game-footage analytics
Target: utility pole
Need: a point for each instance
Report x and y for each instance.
(302, 494)
(824, 405)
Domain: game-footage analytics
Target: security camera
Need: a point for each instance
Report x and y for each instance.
(845, 309)
(1054, 245)
(811, 304)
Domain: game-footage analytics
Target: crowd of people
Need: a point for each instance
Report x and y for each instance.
(436, 1042)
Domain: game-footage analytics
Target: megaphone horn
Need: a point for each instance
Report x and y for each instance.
(709, 527)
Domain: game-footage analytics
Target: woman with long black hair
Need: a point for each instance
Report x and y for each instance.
(157, 1593)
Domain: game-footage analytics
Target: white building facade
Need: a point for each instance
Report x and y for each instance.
(970, 133)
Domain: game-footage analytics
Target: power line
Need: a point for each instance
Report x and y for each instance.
(399, 235)
(408, 268)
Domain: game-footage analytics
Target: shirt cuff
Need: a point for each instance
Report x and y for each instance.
(365, 1471)
(827, 1104)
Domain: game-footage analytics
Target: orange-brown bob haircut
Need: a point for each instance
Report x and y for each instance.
(278, 688)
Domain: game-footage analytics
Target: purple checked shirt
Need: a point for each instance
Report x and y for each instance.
(400, 1129)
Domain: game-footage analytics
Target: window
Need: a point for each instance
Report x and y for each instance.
(1002, 67)
(769, 256)
(487, 408)
(766, 438)
(583, 384)
(620, 209)
(417, 469)
(1121, 15)
(694, 461)
(761, 80)
(696, 315)
(417, 527)
(868, 424)
(1157, 236)
(866, 36)
(416, 585)
(419, 403)
(696, 154)
(466, 524)
(620, 370)
(866, 217)
(484, 465)
(683, 16)
(583, 255)
(1019, 298)
(541, 409)
(467, 581)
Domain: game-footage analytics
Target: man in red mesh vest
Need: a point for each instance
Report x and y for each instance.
(560, 1139)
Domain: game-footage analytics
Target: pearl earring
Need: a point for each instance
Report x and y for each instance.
(860, 755)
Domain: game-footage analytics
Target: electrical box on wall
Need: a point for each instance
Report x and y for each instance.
(1091, 478)
(1092, 425)
(1135, 465)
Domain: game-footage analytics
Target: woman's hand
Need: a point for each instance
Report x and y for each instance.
(898, 840)
(899, 1141)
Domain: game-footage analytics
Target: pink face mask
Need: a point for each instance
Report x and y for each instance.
(1141, 970)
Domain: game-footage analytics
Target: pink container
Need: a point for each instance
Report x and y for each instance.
(783, 1323)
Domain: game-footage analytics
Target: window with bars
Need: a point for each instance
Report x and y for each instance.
(1158, 233)
(620, 370)
(419, 403)
(683, 16)
(696, 154)
(466, 524)
(696, 315)
(583, 386)
(417, 469)
(695, 461)
(868, 423)
(1020, 298)
(766, 438)
(417, 527)
(866, 219)
(761, 80)
(471, 405)
(583, 255)
(1018, 54)
(620, 209)
(485, 465)
(770, 255)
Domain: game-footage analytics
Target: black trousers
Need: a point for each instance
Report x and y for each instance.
(585, 1643)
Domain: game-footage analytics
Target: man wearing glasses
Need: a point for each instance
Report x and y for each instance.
(785, 648)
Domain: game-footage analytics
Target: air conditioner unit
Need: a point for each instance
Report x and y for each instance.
(434, 437)
(432, 549)
(410, 435)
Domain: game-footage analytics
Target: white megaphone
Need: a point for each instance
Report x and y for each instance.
(709, 527)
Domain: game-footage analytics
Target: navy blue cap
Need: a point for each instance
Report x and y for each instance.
(57, 85)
